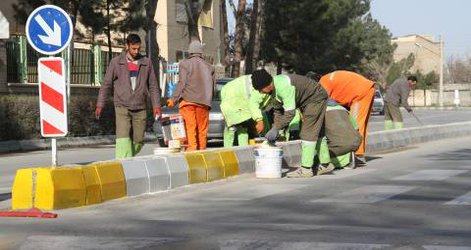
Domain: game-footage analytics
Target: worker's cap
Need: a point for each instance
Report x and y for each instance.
(260, 79)
(196, 47)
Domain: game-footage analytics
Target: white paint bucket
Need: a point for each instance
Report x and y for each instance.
(268, 162)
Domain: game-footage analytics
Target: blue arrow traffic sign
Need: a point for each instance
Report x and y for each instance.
(49, 29)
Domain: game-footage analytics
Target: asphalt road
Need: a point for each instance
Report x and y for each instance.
(418, 198)
(427, 117)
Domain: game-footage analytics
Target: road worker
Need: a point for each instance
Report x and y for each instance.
(356, 93)
(194, 93)
(341, 137)
(241, 106)
(288, 93)
(396, 96)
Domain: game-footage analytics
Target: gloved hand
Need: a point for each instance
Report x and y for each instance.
(409, 110)
(272, 135)
(157, 113)
(259, 126)
(97, 113)
(170, 103)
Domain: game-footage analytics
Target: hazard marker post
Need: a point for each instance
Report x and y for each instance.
(49, 31)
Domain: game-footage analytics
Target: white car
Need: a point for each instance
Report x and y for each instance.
(378, 103)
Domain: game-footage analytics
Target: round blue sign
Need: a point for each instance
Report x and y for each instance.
(49, 29)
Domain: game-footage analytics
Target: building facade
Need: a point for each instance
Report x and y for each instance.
(172, 30)
(425, 50)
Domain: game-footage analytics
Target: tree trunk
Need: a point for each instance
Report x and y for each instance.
(152, 47)
(239, 36)
(108, 30)
(249, 56)
(225, 29)
(258, 33)
(193, 11)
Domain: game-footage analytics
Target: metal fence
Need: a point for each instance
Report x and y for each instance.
(82, 63)
(13, 50)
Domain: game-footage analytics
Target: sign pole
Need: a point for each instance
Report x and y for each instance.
(49, 31)
(54, 151)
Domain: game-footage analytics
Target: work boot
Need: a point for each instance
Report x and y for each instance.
(301, 172)
(324, 169)
(360, 161)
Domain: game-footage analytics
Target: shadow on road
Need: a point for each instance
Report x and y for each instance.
(458, 155)
(5, 196)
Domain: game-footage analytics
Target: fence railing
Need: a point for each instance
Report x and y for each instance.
(88, 66)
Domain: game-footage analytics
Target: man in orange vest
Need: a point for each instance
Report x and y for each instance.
(355, 92)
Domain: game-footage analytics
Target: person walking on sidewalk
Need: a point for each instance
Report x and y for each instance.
(288, 93)
(194, 93)
(133, 79)
(396, 96)
(355, 92)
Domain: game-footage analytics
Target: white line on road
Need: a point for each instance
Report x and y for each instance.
(367, 194)
(462, 200)
(430, 175)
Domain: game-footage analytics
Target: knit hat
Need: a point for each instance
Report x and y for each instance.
(260, 79)
(195, 47)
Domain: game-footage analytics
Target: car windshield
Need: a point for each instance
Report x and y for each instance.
(377, 94)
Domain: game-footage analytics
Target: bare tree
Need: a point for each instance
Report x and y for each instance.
(226, 37)
(193, 10)
(239, 36)
(253, 46)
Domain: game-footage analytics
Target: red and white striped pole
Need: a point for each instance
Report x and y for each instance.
(52, 100)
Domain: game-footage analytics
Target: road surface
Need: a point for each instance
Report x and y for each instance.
(418, 198)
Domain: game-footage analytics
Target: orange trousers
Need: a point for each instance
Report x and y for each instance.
(361, 110)
(196, 119)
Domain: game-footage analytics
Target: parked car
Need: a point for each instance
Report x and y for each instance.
(378, 103)
(216, 119)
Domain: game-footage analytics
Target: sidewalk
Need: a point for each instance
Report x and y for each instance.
(66, 142)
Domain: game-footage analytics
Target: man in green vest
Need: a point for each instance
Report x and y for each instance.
(241, 106)
(288, 93)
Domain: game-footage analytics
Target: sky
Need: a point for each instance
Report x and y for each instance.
(449, 18)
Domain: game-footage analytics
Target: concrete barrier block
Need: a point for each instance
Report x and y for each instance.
(92, 185)
(246, 159)
(231, 165)
(137, 177)
(53, 188)
(214, 165)
(112, 181)
(22, 189)
(197, 170)
(179, 170)
(292, 153)
(159, 175)
(58, 188)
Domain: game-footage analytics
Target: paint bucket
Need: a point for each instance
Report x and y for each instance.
(268, 162)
